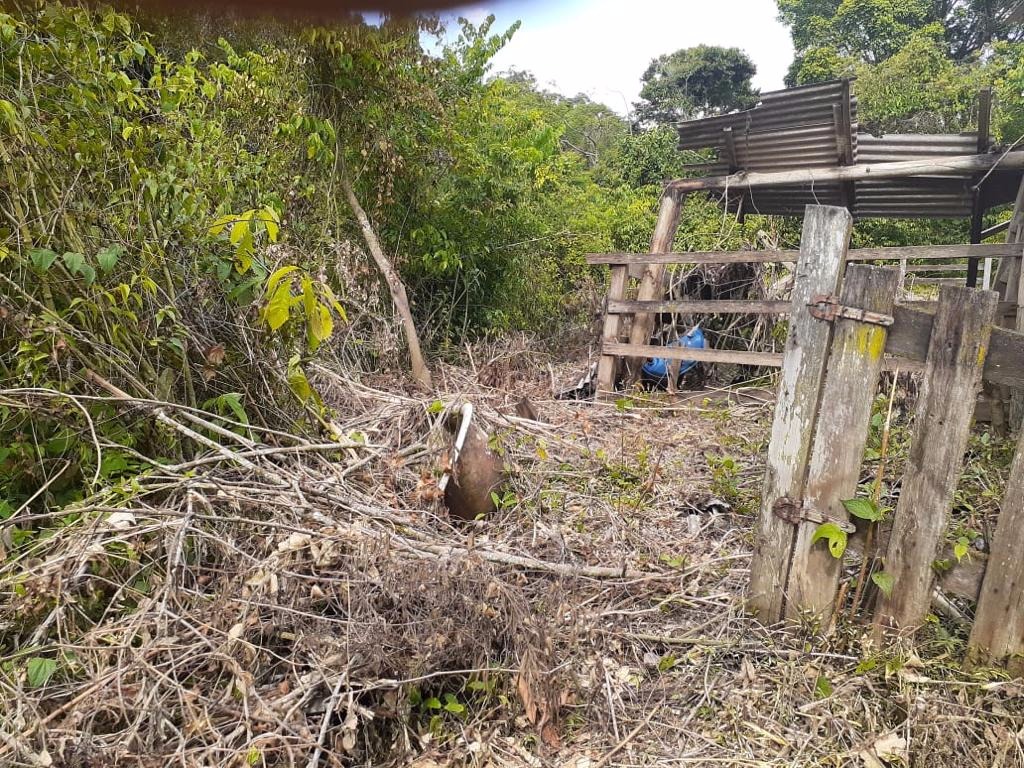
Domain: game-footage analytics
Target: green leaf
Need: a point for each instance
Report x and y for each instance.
(865, 509)
(835, 535)
(9, 116)
(435, 407)
(432, 703)
(451, 704)
(42, 258)
(233, 400)
(960, 548)
(823, 687)
(666, 662)
(88, 273)
(241, 227)
(40, 671)
(278, 275)
(73, 261)
(272, 223)
(297, 380)
(219, 224)
(108, 257)
(320, 325)
(884, 581)
(276, 311)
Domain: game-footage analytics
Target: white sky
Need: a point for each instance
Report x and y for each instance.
(602, 47)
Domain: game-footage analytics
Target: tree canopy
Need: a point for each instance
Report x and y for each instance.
(695, 82)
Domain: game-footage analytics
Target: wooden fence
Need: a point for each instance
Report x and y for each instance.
(844, 329)
(829, 380)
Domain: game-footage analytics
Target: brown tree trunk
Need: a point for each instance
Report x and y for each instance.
(419, 367)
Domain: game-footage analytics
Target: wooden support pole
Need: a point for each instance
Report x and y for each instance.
(942, 422)
(854, 362)
(652, 282)
(823, 245)
(997, 636)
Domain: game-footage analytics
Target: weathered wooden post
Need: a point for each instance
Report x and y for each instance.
(651, 287)
(823, 245)
(942, 421)
(997, 636)
(854, 362)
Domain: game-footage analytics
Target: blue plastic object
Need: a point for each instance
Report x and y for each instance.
(658, 367)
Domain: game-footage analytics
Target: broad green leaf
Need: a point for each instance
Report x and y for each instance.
(40, 671)
(432, 703)
(73, 261)
(241, 227)
(218, 226)
(276, 312)
(233, 400)
(297, 380)
(320, 325)
(42, 258)
(278, 275)
(960, 548)
(108, 257)
(9, 116)
(865, 509)
(88, 273)
(243, 253)
(884, 581)
(272, 222)
(835, 535)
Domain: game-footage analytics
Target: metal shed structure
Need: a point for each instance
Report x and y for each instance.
(801, 147)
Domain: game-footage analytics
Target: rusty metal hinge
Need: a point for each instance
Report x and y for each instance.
(827, 307)
(796, 512)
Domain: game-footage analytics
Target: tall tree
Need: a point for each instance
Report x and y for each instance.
(696, 82)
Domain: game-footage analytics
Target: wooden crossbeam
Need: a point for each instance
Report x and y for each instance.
(896, 253)
(959, 165)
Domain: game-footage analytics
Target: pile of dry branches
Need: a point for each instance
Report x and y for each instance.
(279, 602)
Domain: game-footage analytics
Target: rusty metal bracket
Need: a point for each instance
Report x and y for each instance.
(795, 512)
(827, 307)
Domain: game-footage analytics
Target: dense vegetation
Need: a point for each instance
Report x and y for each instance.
(174, 217)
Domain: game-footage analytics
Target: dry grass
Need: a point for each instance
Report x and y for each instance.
(291, 604)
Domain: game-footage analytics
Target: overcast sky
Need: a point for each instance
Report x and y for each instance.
(601, 47)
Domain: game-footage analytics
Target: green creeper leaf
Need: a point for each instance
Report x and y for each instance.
(40, 671)
(835, 535)
(233, 400)
(884, 581)
(435, 407)
(108, 257)
(320, 325)
(88, 273)
(42, 258)
(297, 380)
(243, 253)
(960, 548)
(73, 261)
(276, 311)
(432, 703)
(272, 223)
(865, 509)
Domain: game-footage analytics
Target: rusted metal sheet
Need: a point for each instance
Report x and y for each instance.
(815, 126)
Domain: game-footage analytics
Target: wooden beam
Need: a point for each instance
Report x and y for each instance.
(823, 245)
(942, 422)
(652, 284)
(735, 357)
(608, 364)
(854, 362)
(960, 165)
(897, 253)
(723, 307)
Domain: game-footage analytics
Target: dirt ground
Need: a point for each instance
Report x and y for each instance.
(319, 608)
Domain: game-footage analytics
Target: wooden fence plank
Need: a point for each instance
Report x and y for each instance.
(823, 244)
(742, 307)
(608, 364)
(735, 357)
(998, 633)
(854, 363)
(652, 284)
(910, 252)
(949, 392)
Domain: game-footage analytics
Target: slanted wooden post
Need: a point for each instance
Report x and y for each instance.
(942, 421)
(854, 363)
(823, 245)
(607, 366)
(652, 282)
(998, 632)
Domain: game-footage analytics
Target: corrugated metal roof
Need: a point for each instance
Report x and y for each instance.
(815, 126)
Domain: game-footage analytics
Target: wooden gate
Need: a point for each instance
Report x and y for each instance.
(842, 323)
